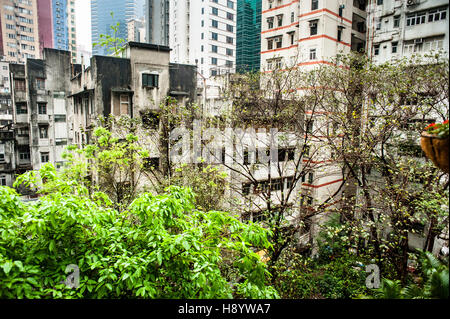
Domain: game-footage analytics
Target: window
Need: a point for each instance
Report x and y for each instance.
(339, 34)
(230, 52)
(122, 106)
(60, 118)
(436, 15)
(313, 27)
(280, 20)
(22, 108)
(24, 155)
(40, 84)
(45, 157)
(314, 5)
(230, 40)
(379, 2)
(433, 44)
(377, 49)
(396, 21)
(43, 131)
(230, 16)
(341, 10)
(42, 108)
(270, 44)
(270, 23)
(19, 84)
(416, 18)
(378, 24)
(150, 80)
(214, 61)
(215, 11)
(150, 120)
(151, 163)
(292, 35)
(246, 189)
(3, 180)
(310, 178)
(214, 48)
(309, 126)
(279, 42)
(229, 64)
(312, 54)
(292, 17)
(394, 47)
(23, 131)
(213, 72)
(230, 28)
(214, 36)
(230, 4)
(214, 23)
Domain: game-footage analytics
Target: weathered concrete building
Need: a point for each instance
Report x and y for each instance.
(134, 85)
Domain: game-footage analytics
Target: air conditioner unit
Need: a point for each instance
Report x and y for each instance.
(412, 2)
(277, 39)
(313, 24)
(418, 41)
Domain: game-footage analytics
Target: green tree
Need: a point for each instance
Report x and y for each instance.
(160, 247)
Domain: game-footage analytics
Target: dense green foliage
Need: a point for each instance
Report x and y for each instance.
(161, 247)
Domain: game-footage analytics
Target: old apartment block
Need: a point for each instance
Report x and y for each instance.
(36, 130)
(54, 102)
(406, 28)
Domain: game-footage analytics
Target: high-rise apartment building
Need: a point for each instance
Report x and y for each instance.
(248, 35)
(19, 38)
(101, 19)
(404, 28)
(204, 33)
(307, 33)
(157, 21)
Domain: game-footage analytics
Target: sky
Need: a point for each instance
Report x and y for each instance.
(83, 22)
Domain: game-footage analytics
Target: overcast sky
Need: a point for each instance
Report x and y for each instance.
(83, 21)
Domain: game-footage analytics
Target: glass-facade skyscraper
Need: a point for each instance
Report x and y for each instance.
(248, 35)
(101, 20)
